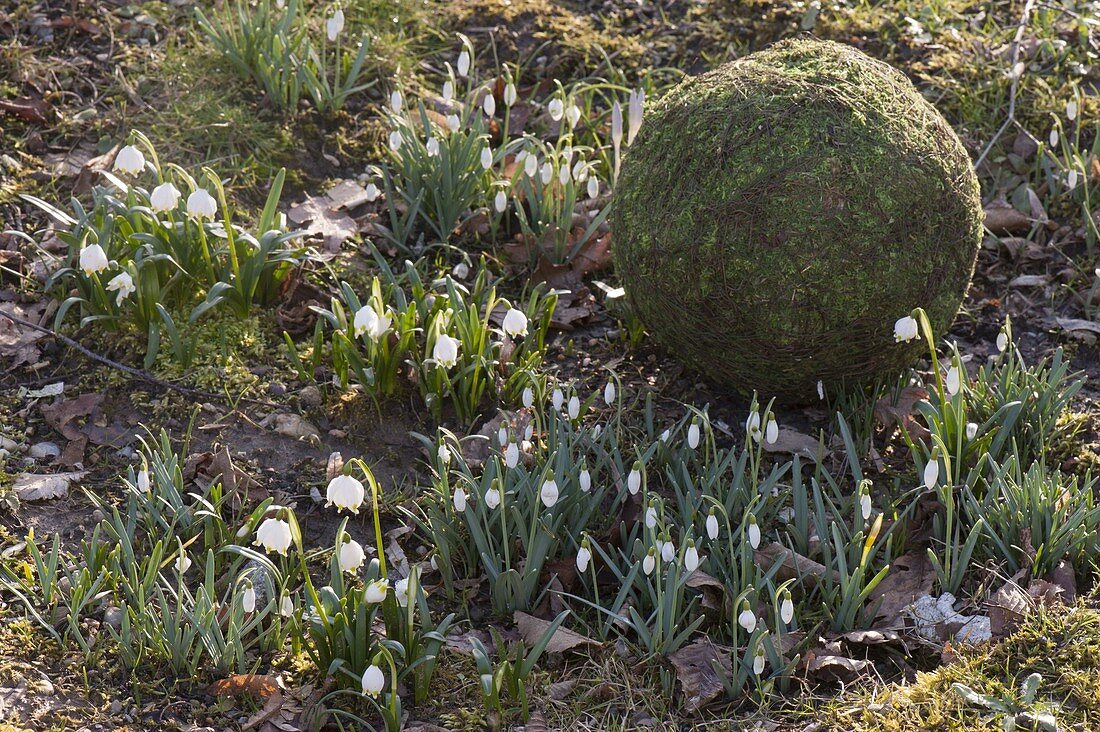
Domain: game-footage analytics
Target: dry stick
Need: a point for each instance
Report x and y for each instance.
(130, 370)
(1014, 59)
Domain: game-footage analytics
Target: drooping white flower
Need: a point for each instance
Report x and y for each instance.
(459, 499)
(364, 320)
(344, 491)
(443, 452)
(395, 140)
(1071, 110)
(432, 146)
(634, 114)
(396, 102)
(754, 532)
(651, 517)
(528, 432)
(905, 329)
(462, 66)
(492, 498)
(510, 94)
(511, 455)
(693, 434)
(351, 556)
(373, 681)
(752, 426)
(649, 562)
(634, 478)
(183, 562)
(820, 389)
(556, 108)
(546, 173)
(376, 591)
(372, 193)
(143, 483)
(609, 393)
(865, 505)
(691, 557)
(448, 90)
(489, 105)
(668, 551)
(401, 592)
(515, 323)
(445, 351)
(334, 26)
(531, 165)
(486, 157)
(1002, 341)
(502, 436)
(1071, 179)
(786, 609)
(286, 606)
(549, 493)
(573, 115)
(931, 473)
(971, 430)
(500, 201)
(574, 407)
(453, 122)
(584, 556)
(557, 398)
(273, 535)
(93, 259)
(1054, 137)
(130, 160)
(593, 187)
(123, 283)
(248, 599)
(563, 175)
(165, 197)
(200, 204)
(771, 434)
(758, 661)
(528, 397)
(666, 435)
(712, 525)
(585, 480)
(747, 618)
(953, 382)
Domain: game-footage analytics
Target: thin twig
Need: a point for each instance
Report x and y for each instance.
(132, 372)
(1014, 59)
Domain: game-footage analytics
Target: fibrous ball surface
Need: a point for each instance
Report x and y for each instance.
(776, 215)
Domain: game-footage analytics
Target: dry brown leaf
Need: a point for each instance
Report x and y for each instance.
(695, 669)
(562, 689)
(323, 220)
(792, 565)
(910, 576)
(839, 667)
(261, 686)
(1002, 218)
(31, 487)
(531, 629)
(900, 408)
(1008, 606)
(794, 442)
(18, 343)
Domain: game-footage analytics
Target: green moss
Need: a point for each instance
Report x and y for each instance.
(778, 214)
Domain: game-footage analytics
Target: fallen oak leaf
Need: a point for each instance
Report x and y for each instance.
(910, 576)
(27, 109)
(792, 564)
(695, 669)
(531, 629)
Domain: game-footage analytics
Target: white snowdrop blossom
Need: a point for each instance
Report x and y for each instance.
(515, 323)
(747, 618)
(557, 399)
(463, 63)
(971, 430)
(351, 556)
(1002, 341)
(616, 124)
(593, 187)
(448, 91)
(584, 556)
(273, 535)
(1071, 179)
(183, 562)
(345, 492)
(931, 473)
(489, 105)
(130, 160)
(368, 322)
(609, 393)
(953, 382)
(865, 505)
(712, 525)
(531, 165)
(556, 108)
(758, 661)
(649, 562)
(500, 201)
(453, 122)
(546, 173)
(510, 94)
(529, 432)
(123, 283)
(905, 329)
(432, 147)
(668, 551)
(502, 436)
(93, 259)
(1054, 137)
(634, 478)
(752, 426)
(396, 102)
(492, 498)
(753, 532)
(666, 435)
(286, 606)
(1071, 110)
(401, 591)
(528, 397)
(334, 26)
(511, 455)
(786, 608)
(443, 452)
(549, 493)
(165, 197)
(459, 500)
(200, 204)
(574, 407)
(143, 483)
(585, 480)
(395, 140)
(651, 517)
(445, 351)
(248, 599)
(563, 175)
(486, 158)
(771, 434)
(693, 434)
(376, 591)
(691, 557)
(373, 681)
(573, 115)
(461, 271)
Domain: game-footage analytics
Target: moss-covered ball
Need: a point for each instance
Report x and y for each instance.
(776, 215)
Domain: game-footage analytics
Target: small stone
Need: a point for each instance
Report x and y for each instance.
(112, 616)
(310, 396)
(44, 450)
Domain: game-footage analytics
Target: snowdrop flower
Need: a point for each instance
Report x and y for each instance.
(528, 397)
(130, 160)
(1071, 179)
(486, 158)
(286, 606)
(489, 105)
(502, 436)
(448, 90)
(649, 562)
(593, 187)
(444, 453)
(373, 681)
(971, 430)
(931, 472)
(376, 591)
(712, 525)
(463, 63)
(511, 455)
(273, 535)
(344, 491)
(1002, 341)
(549, 493)
(747, 618)
(585, 480)
(573, 115)
(123, 283)
(334, 25)
(143, 481)
(616, 124)
(530, 165)
(200, 204)
(546, 173)
(651, 517)
(396, 102)
(395, 140)
(752, 425)
(666, 435)
(432, 147)
(609, 393)
(453, 122)
(372, 192)
(401, 590)
(634, 114)
(459, 500)
(515, 323)
(165, 197)
(574, 407)
(1071, 110)
(634, 478)
(905, 329)
(556, 108)
(500, 201)
(786, 608)
(248, 599)
(754, 532)
(1054, 137)
(771, 434)
(691, 557)
(820, 389)
(351, 556)
(461, 271)
(584, 556)
(529, 432)
(183, 562)
(492, 497)
(693, 434)
(668, 551)
(557, 399)
(758, 661)
(865, 505)
(953, 382)
(93, 259)
(445, 351)
(563, 175)
(510, 94)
